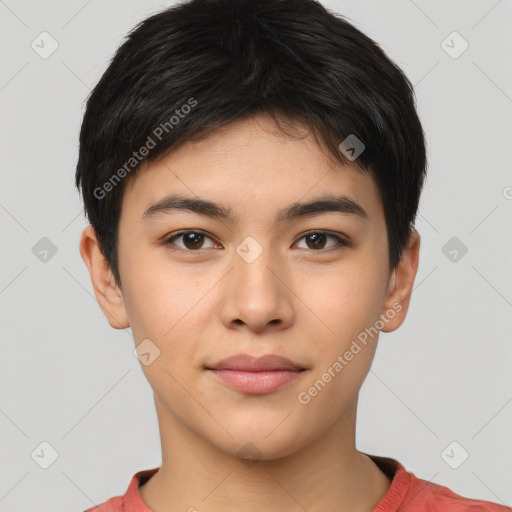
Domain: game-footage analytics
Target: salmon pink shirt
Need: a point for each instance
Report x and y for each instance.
(407, 493)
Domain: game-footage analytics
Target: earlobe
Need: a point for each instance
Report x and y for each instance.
(401, 285)
(108, 294)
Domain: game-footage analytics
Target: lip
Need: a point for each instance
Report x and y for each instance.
(247, 363)
(256, 376)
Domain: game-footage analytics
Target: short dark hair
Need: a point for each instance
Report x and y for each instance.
(190, 69)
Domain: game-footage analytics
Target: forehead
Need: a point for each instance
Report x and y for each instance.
(250, 166)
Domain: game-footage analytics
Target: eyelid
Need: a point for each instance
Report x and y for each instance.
(343, 240)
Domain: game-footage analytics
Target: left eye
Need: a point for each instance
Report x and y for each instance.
(193, 240)
(317, 239)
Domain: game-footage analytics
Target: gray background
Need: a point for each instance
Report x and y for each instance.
(70, 380)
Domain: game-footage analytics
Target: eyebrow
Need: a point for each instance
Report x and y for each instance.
(317, 206)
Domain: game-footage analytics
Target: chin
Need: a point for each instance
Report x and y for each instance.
(255, 443)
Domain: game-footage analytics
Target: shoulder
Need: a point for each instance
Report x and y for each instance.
(114, 504)
(429, 497)
(408, 493)
(131, 500)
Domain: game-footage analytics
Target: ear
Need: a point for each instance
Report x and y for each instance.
(107, 292)
(400, 285)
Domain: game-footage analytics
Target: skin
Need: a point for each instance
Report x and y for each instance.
(305, 303)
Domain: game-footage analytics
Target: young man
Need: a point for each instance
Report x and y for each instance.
(251, 170)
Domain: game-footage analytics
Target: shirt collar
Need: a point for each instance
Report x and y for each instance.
(394, 497)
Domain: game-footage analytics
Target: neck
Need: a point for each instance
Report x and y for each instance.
(326, 474)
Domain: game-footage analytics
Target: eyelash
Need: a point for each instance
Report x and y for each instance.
(169, 241)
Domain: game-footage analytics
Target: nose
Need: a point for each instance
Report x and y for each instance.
(258, 294)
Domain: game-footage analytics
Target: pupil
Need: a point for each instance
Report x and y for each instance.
(316, 237)
(193, 239)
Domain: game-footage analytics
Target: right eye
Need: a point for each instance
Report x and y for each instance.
(192, 240)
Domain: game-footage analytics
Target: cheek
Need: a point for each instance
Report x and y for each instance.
(160, 299)
(164, 313)
(345, 300)
(348, 303)
(168, 308)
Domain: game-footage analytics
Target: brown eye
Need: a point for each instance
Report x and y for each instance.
(316, 240)
(192, 240)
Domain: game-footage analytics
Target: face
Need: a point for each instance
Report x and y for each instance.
(305, 287)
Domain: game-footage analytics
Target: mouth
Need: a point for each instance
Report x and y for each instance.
(256, 375)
